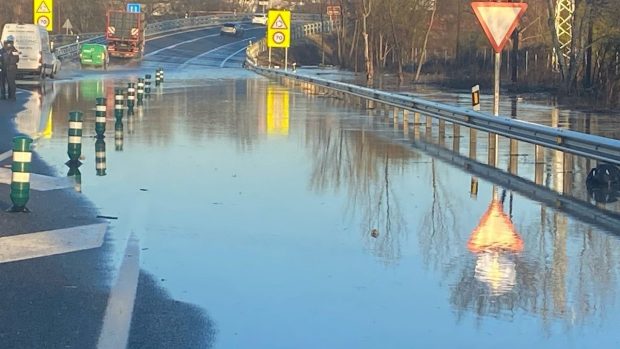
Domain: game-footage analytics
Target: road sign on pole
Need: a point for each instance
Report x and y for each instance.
(498, 20)
(44, 13)
(279, 28)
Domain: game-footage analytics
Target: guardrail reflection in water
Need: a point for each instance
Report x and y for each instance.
(558, 176)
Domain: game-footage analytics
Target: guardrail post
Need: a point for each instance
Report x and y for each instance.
(442, 130)
(405, 122)
(395, 118)
(456, 138)
(539, 164)
(429, 125)
(514, 157)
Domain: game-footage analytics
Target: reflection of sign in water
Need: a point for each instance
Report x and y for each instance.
(497, 271)
(494, 240)
(277, 111)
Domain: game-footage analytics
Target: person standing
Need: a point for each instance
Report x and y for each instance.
(10, 59)
(2, 74)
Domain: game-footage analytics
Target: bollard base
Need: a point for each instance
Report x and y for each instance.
(18, 209)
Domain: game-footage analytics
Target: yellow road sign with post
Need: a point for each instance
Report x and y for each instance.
(279, 28)
(44, 13)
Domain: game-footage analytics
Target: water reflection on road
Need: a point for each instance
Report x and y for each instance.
(294, 221)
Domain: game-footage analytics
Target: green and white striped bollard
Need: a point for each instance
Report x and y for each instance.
(20, 179)
(147, 85)
(161, 75)
(118, 135)
(131, 97)
(140, 91)
(100, 158)
(100, 115)
(157, 77)
(119, 101)
(74, 149)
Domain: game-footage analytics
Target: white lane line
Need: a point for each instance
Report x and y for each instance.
(39, 182)
(117, 319)
(213, 50)
(177, 44)
(6, 155)
(231, 56)
(51, 242)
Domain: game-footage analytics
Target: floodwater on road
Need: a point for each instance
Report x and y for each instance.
(294, 221)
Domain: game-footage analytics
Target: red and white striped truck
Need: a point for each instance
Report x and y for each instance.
(125, 34)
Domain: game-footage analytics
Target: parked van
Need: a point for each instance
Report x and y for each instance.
(33, 44)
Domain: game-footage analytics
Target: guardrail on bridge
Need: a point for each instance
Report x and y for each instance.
(586, 145)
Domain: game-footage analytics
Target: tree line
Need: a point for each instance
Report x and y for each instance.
(419, 36)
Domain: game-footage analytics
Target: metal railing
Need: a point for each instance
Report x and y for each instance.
(157, 28)
(586, 145)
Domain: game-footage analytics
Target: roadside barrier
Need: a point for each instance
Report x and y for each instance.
(131, 97)
(100, 157)
(140, 91)
(20, 179)
(100, 117)
(119, 99)
(74, 148)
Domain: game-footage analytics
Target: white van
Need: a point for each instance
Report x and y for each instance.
(33, 44)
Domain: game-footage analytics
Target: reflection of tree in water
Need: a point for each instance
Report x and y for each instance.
(439, 237)
(365, 165)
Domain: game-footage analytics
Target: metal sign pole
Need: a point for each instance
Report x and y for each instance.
(269, 59)
(498, 62)
(286, 59)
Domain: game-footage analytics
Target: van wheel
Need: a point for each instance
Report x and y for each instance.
(105, 65)
(53, 73)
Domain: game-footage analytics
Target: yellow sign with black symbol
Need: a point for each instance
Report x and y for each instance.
(279, 28)
(44, 13)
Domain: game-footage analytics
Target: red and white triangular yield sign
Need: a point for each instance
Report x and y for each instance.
(499, 20)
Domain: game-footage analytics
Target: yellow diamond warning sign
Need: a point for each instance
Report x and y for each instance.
(44, 13)
(279, 28)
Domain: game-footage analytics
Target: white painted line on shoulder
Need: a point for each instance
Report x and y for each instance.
(6, 155)
(39, 182)
(51, 242)
(117, 319)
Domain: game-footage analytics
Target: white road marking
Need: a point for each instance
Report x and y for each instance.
(51, 242)
(117, 319)
(6, 155)
(39, 182)
(177, 44)
(213, 50)
(231, 56)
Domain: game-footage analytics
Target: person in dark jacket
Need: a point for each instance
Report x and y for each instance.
(10, 58)
(2, 74)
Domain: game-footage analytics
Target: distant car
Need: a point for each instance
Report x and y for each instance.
(234, 29)
(259, 18)
(95, 55)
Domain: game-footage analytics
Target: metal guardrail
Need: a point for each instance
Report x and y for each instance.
(69, 51)
(586, 145)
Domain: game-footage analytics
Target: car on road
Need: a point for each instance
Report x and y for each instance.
(259, 18)
(234, 29)
(95, 55)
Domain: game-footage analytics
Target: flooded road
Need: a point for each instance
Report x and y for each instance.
(293, 220)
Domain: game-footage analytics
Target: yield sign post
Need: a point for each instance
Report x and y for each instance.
(498, 20)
